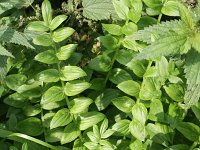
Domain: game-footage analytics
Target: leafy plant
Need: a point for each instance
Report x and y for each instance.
(140, 91)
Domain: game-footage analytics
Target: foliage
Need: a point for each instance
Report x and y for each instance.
(134, 84)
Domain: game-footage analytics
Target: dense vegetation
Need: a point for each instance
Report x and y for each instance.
(100, 75)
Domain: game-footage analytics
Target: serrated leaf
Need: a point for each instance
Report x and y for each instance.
(76, 87)
(129, 87)
(152, 33)
(89, 119)
(192, 67)
(71, 73)
(53, 94)
(170, 45)
(10, 35)
(61, 118)
(98, 9)
(5, 52)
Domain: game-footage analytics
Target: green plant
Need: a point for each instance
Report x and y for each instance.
(139, 93)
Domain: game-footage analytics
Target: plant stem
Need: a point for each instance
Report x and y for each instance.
(159, 18)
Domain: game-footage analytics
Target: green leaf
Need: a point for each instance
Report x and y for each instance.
(37, 26)
(137, 144)
(14, 81)
(170, 8)
(16, 100)
(121, 128)
(135, 12)
(178, 147)
(124, 103)
(49, 75)
(103, 127)
(153, 3)
(97, 84)
(66, 51)
(47, 12)
(108, 41)
(101, 63)
(61, 118)
(26, 126)
(178, 44)
(62, 34)
(129, 28)
(54, 135)
(139, 112)
(138, 67)
(129, 87)
(89, 119)
(175, 92)
(103, 100)
(121, 9)
(5, 52)
(189, 130)
(118, 75)
(10, 35)
(43, 40)
(76, 87)
(192, 67)
(32, 110)
(186, 16)
(113, 29)
(160, 133)
(53, 94)
(75, 104)
(156, 112)
(152, 33)
(57, 21)
(71, 132)
(98, 9)
(196, 110)
(138, 130)
(150, 89)
(47, 57)
(71, 73)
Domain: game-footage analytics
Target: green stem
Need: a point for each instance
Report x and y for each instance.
(159, 18)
